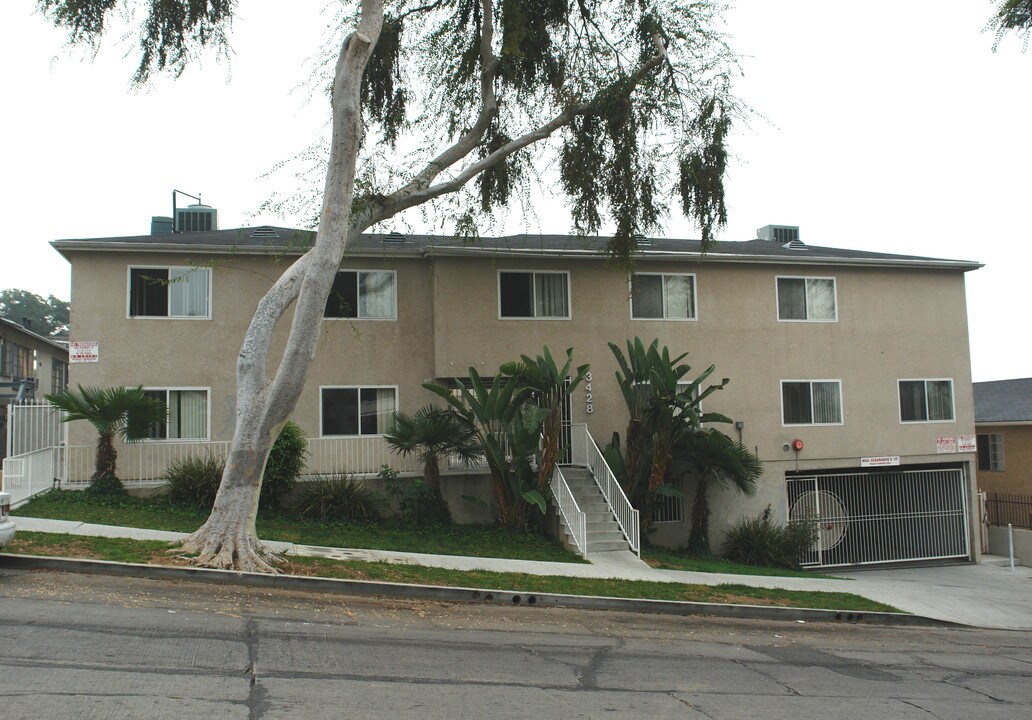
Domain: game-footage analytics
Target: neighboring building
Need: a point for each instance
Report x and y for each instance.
(25, 355)
(1003, 421)
(30, 366)
(863, 357)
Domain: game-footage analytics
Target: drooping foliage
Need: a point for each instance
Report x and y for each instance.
(1011, 15)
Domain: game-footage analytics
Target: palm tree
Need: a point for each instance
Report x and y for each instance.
(431, 433)
(716, 458)
(127, 412)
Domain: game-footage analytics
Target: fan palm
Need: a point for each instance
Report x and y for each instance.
(431, 433)
(717, 459)
(126, 412)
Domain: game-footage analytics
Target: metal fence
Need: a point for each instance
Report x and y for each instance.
(1009, 509)
(31, 473)
(32, 426)
(882, 517)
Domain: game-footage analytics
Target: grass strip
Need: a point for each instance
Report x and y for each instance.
(669, 560)
(154, 552)
(158, 514)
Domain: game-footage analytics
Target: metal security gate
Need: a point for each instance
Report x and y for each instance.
(882, 517)
(32, 426)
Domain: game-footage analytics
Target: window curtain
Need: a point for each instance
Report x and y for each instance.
(679, 301)
(795, 401)
(820, 299)
(550, 292)
(376, 295)
(188, 292)
(188, 414)
(647, 296)
(912, 400)
(791, 299)
(827, 402)
(377, 405)
(940, 399)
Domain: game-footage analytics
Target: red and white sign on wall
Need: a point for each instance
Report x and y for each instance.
(84, 351)
(966, 443)
(946, 444)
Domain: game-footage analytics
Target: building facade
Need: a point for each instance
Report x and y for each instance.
(849, 371)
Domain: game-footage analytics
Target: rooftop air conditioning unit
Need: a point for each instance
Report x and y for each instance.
(779, 233)
(197, 218)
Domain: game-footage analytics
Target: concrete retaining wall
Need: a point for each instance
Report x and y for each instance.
(998, 543)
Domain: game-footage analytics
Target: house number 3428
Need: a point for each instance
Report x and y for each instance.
(589, 406)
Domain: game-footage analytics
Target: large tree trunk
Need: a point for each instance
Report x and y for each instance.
(228, 539)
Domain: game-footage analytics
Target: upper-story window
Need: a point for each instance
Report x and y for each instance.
(662, 297)
(811, 402)
(990, 452)
(186, 415)
(534, 294)
(173, 292)
(926, 400)
(807, 299)
(17, 361)
(363, 295)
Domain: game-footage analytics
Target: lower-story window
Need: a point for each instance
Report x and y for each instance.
(186, 417)
(811, 402)
(357, 410)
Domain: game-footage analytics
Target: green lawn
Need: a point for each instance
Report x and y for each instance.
(156, 514)
(124, 550)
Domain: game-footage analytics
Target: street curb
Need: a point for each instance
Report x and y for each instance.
(372, 588)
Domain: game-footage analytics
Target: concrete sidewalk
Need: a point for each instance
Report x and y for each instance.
(979, 595)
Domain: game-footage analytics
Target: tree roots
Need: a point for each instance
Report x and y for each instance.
(226, 549)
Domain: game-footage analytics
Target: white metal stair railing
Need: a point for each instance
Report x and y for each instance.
(573, 516)
(586, 453)
(31, 473)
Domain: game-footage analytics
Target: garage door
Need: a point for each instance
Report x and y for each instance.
(882, 517)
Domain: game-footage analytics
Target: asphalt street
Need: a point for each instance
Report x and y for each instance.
(77, 646)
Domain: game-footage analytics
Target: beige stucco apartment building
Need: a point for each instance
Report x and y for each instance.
(860, 357)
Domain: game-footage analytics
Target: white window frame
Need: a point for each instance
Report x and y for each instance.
(129, 293)
(695, 297)
(811, 381)
(207, 410)
(805, 278)
(997, 456)
(953, 401)
(360, 388)
(533, 288)
(394, 299)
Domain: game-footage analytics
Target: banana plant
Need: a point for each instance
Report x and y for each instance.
(548, 382)
(507, 426)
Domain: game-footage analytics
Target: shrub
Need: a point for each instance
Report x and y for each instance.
(339, 497)
(194, 481)
(758, 541)
(286, 461)
(418, 501)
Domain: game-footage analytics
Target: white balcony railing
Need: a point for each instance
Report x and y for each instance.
(30, 473)
(586, 453)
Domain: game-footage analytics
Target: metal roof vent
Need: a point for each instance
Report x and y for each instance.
(265, 231)
(779, 233)
(394, 238)
(794, 245)
(642, 241)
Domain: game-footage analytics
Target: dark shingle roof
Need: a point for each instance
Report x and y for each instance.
(1003, 401)
(275, 239)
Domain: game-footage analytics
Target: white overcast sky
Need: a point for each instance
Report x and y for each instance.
(886, 126)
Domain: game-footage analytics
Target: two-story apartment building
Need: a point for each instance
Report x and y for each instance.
(850, 372)
(30, 366)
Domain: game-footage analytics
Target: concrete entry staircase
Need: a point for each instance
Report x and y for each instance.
(603, 532)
